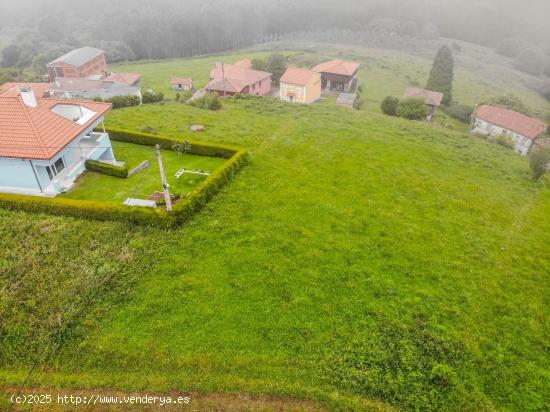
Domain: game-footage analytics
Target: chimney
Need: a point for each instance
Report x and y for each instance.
(28, 97)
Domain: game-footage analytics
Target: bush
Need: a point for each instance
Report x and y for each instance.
(106, 168)
(151, 97)
(460, 112)
(412, 109)
(259, 64)
(511, 46)
(120, 102)
(531, 61)
(389, 105)
(539, 160)
(208, 101)
(358, 103)
(504, 140)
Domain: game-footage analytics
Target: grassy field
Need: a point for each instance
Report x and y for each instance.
(359, 261)
(97, 186)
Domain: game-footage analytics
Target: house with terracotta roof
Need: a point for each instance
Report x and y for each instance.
(493, 121)
(230, 79)
(338, 75)
(182, 84)
(129, 79)
(44, 142)
(432, 99)
(300, 86)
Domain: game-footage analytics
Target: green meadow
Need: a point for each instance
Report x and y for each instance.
(358, 261)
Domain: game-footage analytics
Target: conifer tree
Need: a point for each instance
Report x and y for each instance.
(442, 74)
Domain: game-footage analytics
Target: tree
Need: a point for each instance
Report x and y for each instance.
(442, 74)
(276, 64)
(259, 64)
(389, 105)
(539, 159)
(412, 108)
(531, 61)
(39, 63)
(511, 46)
(10, 56)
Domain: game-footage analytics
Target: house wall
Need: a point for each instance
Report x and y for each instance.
(523, 144)
(262, 88)
(313, 89)
(17, 176)
(96, 66)
(287, 89)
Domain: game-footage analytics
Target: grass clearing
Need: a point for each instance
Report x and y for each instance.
(100, 187)
(358, 261)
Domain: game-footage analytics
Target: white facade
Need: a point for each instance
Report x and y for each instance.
(58, 174)
(292, 93)
(523, 144)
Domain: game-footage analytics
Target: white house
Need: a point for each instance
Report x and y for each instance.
(44, 142)
(494, 121)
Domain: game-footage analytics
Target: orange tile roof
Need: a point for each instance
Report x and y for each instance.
(14, 89)
(297, 76)
(431, 98)
(510, 120)
(245, 64)
(186, 81)
(237, 76)
(341, 67)
(39, 133)
(127, 78)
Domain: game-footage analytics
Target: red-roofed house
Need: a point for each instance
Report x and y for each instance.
(180, 84)
(129, 79)
(494, 121)
(229, 79)
(300, 86)
(338, 75)
(433, 99)
(44, 142)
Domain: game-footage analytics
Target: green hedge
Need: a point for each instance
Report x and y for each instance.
(184, 209)
(106, 168)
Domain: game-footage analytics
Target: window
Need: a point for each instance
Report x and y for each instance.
(59, 165)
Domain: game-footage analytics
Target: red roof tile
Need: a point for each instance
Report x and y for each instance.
(300, 77)
(127, 78)
(14, 89)
(510, 120)
(186, 81)
(245, 64)
(39, 133)
(341, 67)
(431, 98)
(236, 78)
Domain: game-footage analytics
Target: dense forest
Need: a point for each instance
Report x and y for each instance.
(35, 31)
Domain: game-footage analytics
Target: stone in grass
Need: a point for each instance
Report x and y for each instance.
(197, 128)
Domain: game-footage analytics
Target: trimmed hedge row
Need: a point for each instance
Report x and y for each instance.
(183, 209)
(106, 168)
(165, 142)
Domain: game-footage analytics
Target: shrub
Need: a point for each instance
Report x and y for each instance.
(208, 102)
(511, 46)
(178, 97)
(151, 97)
(412, 109)
(358, 103)
(504, 140)
(389, 105)
(460, 112)
(539, 160)
(120, 102)
(531, 61)
(106, 168)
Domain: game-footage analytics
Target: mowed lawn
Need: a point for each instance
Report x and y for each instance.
(359, 261)
(97, 186)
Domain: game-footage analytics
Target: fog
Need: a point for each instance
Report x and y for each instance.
(138, 29)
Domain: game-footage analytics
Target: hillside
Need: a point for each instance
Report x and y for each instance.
(359, 261)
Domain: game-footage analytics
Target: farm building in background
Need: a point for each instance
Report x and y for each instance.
(86, 62)
(495, 121)
(432, 99)
(231, 79)
(338, 75)
(182, 84)
(300, 86)
(46, 142)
